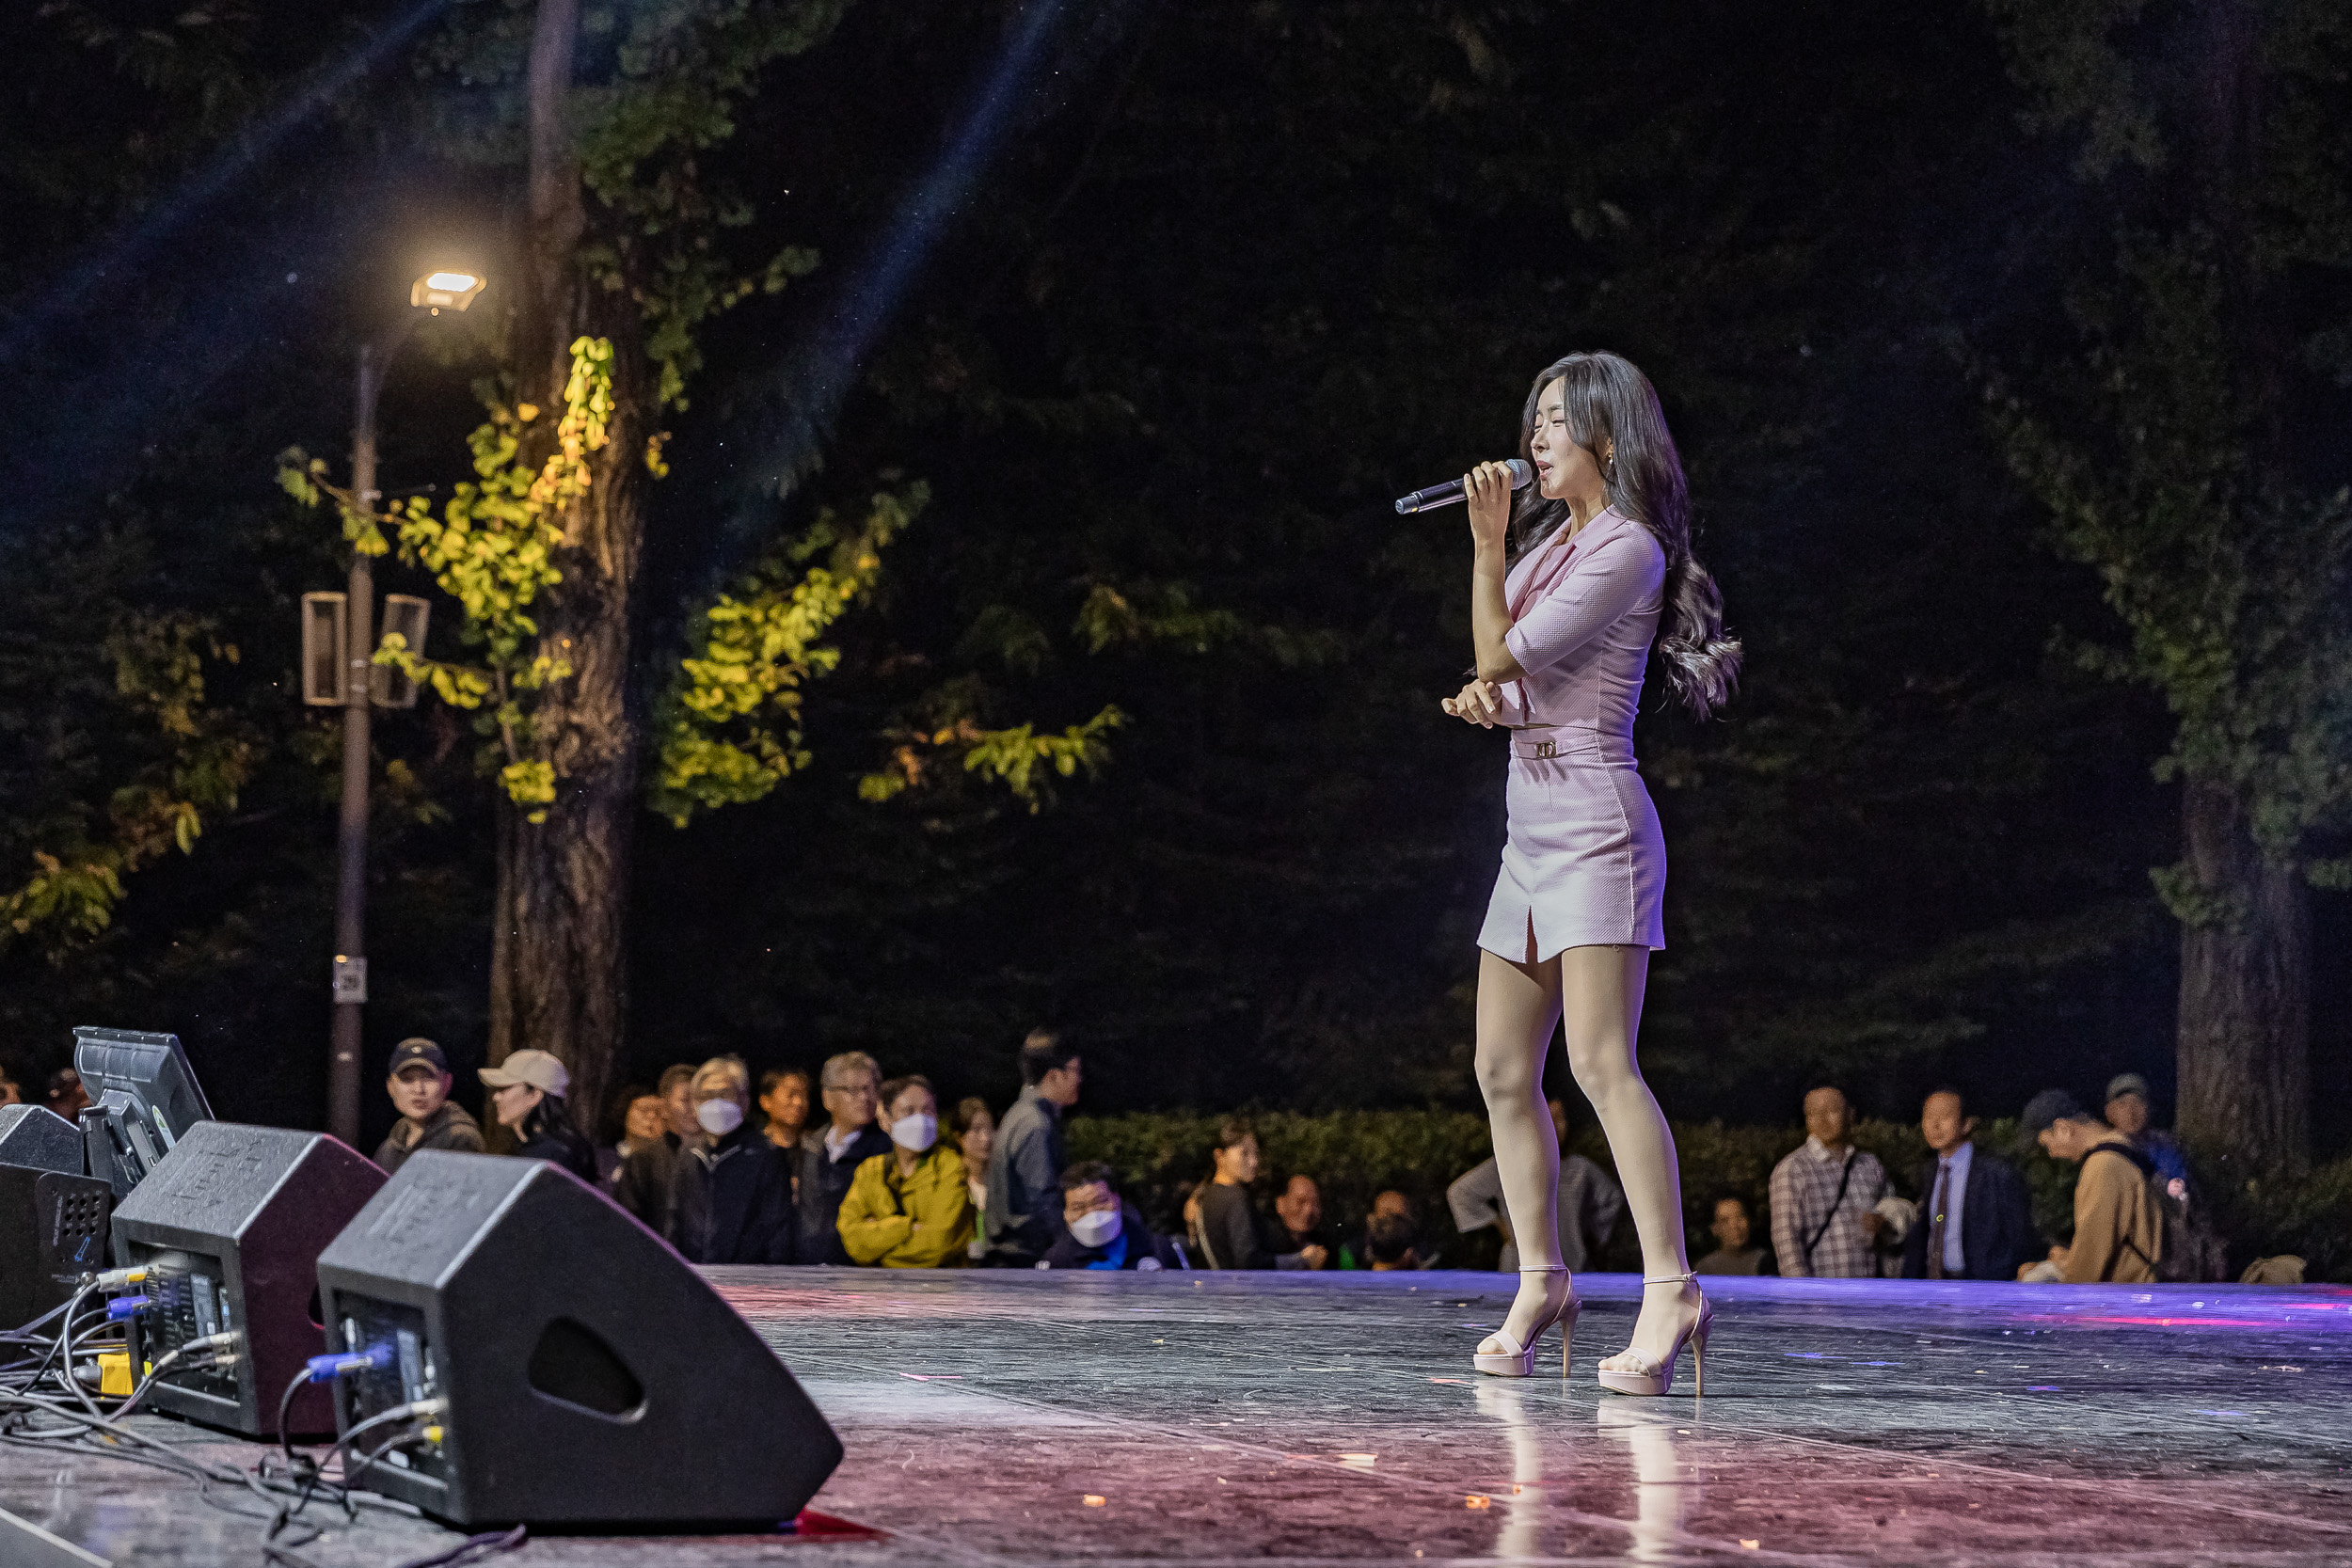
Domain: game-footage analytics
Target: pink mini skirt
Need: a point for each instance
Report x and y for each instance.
(1584, 862)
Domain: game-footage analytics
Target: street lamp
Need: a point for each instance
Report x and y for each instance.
(339, 670)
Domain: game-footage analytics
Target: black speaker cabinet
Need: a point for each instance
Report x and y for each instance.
(230, 1225)
(591, 1377)
(53, 1218)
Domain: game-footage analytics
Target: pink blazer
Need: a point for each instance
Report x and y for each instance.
(1583, 612)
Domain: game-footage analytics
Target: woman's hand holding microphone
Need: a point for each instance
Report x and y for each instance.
(1486, 489)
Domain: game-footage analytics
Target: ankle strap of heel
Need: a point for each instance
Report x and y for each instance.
(1671, 1279)
(1543, 1268)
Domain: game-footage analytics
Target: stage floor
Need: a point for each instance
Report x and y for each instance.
(1000, 1418)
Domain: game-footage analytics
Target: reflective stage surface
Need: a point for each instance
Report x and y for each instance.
(1196, 1419)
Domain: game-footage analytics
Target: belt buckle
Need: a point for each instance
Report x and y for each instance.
(1547, 749)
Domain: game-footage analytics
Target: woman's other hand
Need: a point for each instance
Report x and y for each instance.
(1480, 703)
(1487, 488)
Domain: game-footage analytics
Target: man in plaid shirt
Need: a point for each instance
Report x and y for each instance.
(1825, 1223)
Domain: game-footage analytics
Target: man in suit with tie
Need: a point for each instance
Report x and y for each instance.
(1976, 1221)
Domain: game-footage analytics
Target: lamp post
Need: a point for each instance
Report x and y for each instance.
(357, 692)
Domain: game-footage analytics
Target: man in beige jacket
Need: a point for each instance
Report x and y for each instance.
(2119, 1234)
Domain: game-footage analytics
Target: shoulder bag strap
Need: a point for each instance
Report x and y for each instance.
(1844, 1177)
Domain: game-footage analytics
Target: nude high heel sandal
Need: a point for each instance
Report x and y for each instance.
(1520, 1360)
(1656, 1381)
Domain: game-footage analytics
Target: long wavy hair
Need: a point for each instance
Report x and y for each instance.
(1608, 402)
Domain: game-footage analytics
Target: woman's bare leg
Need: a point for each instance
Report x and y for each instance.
(1600, 991)
(1519, 1007)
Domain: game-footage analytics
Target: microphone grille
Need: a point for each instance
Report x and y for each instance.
(1522, 472)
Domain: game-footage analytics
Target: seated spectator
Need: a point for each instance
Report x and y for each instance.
(2128, 1114)
(1024, 1162)
(976, 1136)
(1591, 1203)
(66, 1095)
(910, 1208)
(784, 1107)
(677, 1088)
(850, 1084)
(418, 1083)
(730, 1190)
(2119, 1234)
(1389, 1243)
(650, 1182)
(11, 1085)
(1735, 1233)
(527, 1096)
(642, 1121)
(1300, 1211)
(1977, 1219)
(1225, 1223)
(1102, 1229)
(1825, 1195)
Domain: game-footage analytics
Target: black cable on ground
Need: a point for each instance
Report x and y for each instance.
(285, 1404)
(473, 1549)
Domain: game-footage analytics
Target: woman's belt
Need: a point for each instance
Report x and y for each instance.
(1572, 743)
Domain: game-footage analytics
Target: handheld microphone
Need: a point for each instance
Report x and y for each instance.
(1522, 473)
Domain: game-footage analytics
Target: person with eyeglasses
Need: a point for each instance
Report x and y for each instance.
(830, 1155)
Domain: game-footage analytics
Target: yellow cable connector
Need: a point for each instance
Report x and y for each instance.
(114, 1374)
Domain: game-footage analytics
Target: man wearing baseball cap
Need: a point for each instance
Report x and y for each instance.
(429, 1118)
(2127, 1112)
(527, 1095)
(2119, 1234)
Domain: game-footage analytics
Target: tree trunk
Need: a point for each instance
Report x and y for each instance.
(2245, 1021)
(558, 950)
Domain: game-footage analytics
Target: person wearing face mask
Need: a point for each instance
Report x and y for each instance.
(1102, 1229)
(727, 1196)
(910, 1208)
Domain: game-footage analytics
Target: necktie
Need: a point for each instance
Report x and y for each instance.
(1935, 1225)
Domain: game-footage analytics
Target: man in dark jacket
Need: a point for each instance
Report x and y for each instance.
(419, 1085)
(830, 1155)
(1100, 1229)
(1976, 1220)
(1023, 1209)
(724, 1194)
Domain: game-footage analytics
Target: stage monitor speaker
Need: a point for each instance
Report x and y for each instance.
(586, 1374)
(143, 1096)
(53, 1218)
(36, 1138)
(230, 1226)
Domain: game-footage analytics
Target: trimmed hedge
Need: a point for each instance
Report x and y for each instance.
(1353, 1155)
(1356, 1154)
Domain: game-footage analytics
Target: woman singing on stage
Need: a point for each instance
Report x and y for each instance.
(1563, 633)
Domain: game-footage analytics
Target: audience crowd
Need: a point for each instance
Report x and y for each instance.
(853, 1168)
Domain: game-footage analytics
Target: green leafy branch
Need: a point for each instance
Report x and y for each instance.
(729, 728)
(204, 760)
(492, 548)
(1169, 615)
(683, 67)
(1010, 757)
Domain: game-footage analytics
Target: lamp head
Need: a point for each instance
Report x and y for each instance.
(452, 290)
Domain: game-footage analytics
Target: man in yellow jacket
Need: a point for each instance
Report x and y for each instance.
(910, 1208)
